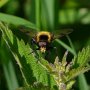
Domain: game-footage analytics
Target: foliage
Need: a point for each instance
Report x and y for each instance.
(15, 58)
(2, 2)
(39, 70)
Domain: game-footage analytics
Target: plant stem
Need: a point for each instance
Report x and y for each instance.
(71, 44)
(66, 46)
(38, 12)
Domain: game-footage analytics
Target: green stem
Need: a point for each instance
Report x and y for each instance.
(71, 44)
(38, 12)
(66, 46)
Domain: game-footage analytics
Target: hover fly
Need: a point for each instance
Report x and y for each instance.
(43, 39)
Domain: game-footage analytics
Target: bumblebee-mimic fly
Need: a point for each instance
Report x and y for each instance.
(43, 39)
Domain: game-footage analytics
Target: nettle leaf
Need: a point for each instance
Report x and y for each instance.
(80, 63)
(82, 58)
(31, 70)
(36, 69)
(75, 72)
(36, 86)
(64, 73)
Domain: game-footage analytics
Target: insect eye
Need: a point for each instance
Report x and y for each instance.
(43, 37)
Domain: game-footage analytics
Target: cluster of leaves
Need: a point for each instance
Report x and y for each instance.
(60, 74)
(30, 69)
(51, 13)
(64, 73)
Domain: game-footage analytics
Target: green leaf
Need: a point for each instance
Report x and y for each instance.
(80, 63)
(75, 72)
(8, 67)
(3, 2)
(31, 70)
(82, 83)
(15, 20)
(37, 86)
(83, 57)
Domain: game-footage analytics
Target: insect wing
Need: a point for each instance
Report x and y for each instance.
(28, 31)
(60, 33)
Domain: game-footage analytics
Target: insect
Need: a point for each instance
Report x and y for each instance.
(43, 39)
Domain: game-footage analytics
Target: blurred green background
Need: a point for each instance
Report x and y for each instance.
(48, 15)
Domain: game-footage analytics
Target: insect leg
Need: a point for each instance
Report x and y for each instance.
(33, 41)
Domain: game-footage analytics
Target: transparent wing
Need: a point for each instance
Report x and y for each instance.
(60, 33)
(28, 31)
